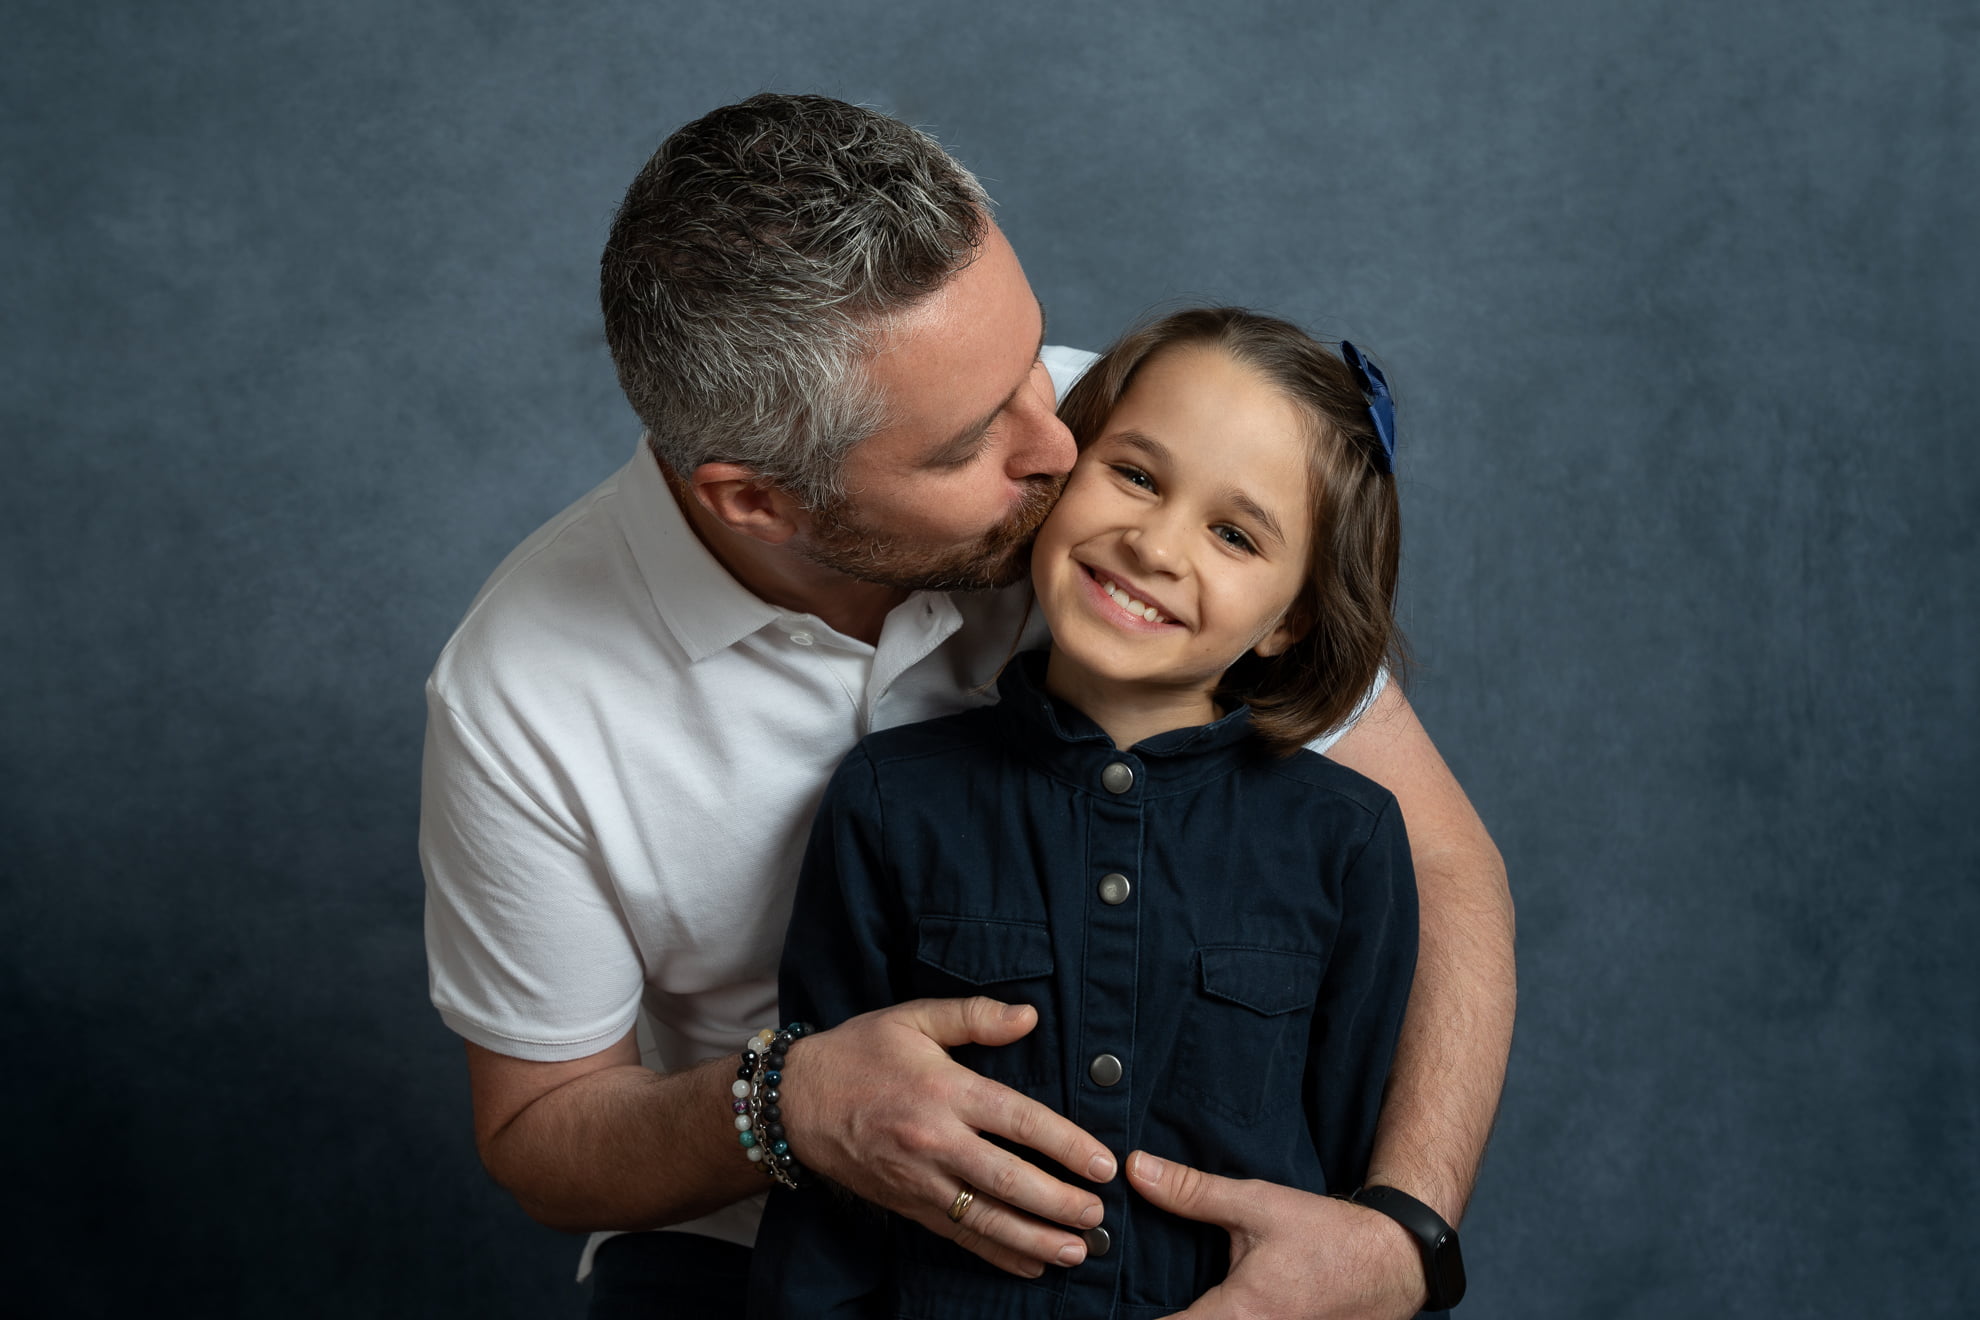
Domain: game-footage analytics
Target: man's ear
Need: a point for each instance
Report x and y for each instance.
(742, 501)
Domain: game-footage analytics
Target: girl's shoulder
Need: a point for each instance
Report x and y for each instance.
(943, 735)
(1322, 775)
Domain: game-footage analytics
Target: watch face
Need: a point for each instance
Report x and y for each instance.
(1444, 1270)
(1443, 1263)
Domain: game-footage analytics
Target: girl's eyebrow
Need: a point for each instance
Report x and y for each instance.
(1255, 511)
(1231, 495)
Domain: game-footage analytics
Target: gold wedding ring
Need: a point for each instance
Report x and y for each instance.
(961, 1203)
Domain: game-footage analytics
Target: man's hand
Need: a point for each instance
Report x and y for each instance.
(878, 1106)
(1293, 1254)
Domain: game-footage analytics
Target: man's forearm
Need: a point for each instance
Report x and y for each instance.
(625, 1148)
(1451, 1060)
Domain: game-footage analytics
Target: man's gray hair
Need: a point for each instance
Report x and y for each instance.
(751, 266)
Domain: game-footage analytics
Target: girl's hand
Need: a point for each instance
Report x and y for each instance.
(1293, 1254)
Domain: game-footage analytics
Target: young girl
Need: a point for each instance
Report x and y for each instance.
(1217, 927)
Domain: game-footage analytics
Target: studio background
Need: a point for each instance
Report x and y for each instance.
(301, 337)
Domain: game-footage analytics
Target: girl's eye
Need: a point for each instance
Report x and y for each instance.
(1234, 538)
(1134, 476)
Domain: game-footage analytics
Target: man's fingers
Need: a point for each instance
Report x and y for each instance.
(996, 1250)
(1021, 1185)
(992, 1107)
(1043, 1129)
(1192, 1193)
(978, 1020)
(885, 1112)
(993, 1230)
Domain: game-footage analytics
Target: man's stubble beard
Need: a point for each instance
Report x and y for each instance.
(839, 541)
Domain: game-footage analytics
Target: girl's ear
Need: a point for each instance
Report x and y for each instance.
(1292, 627)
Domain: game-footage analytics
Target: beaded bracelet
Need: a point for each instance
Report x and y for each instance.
(759, 1116)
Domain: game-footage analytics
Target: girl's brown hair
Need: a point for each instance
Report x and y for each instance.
(1347, 606)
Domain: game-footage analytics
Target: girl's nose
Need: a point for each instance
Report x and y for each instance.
(1152, 545)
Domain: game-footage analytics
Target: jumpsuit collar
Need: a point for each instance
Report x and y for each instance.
(1070, 745)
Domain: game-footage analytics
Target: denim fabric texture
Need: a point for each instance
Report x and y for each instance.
(1250, 985)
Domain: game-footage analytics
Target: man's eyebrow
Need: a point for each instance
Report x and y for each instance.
(1232, 496)
(959, 444)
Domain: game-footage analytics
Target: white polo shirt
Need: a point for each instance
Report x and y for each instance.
(624, 750)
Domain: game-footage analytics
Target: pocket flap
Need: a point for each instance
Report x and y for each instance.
(1268, 981)
(984, 950)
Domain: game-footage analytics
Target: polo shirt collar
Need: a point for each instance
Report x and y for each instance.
(703, 606)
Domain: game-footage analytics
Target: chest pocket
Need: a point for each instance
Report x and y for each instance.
(1244, 1033)
(1007, 960)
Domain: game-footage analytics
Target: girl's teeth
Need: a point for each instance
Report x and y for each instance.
(1130, 604)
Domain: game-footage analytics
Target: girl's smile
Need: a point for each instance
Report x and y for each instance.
(1136, 606)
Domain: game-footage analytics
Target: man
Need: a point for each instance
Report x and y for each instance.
(849, 439)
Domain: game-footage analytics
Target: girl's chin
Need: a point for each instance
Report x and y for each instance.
(1087, 651)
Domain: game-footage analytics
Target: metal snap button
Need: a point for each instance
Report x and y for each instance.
(1117, 777)
(1105, 1070)
(1114, 889)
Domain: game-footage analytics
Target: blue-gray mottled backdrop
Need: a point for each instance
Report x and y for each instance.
(300, 337)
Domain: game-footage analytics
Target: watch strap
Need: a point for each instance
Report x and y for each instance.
(1443, 1265)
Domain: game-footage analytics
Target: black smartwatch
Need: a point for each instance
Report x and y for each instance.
(1443, 1267)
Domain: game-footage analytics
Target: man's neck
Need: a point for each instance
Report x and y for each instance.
(779, 576)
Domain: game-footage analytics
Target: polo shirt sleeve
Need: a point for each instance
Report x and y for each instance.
(527, 952)
(1340, 731)
(1362, 998)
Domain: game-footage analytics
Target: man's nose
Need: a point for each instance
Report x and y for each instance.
(1045, 448)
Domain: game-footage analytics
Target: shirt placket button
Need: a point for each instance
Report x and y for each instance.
(1106, 1070)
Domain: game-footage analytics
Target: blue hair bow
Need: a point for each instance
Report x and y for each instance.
(1381, 408)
